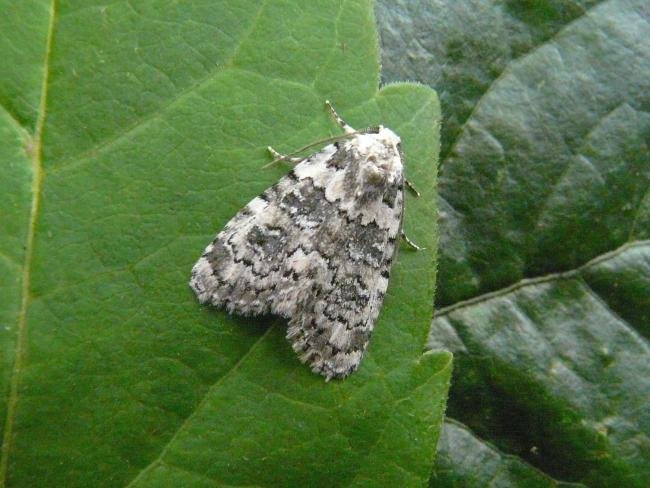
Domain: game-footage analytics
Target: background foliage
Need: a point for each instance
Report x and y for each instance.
(544, 259)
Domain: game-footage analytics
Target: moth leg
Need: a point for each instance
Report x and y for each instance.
(412, 188)
(346, 128)
(283, 157)
(410, 243)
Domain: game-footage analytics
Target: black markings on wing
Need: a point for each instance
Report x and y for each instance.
(245, 269)
(335, 321)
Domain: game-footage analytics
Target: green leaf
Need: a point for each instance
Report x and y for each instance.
(131, 133)
(552, 365)
(545, 220)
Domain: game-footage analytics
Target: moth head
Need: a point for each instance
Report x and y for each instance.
(380, 149)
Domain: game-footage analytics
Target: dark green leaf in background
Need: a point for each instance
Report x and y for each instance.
(465, 460)
(544, 275)
(131, 132)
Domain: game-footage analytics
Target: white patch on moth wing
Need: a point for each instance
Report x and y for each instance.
(256, 205)
(301, 262)
(315, 167)
(381, 214)
(335, 189)
(382, 283)
(202, 281)
(378, 213)
(340, 337)
(350, 360)
(311, 267)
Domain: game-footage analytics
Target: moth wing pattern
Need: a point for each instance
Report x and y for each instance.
(247, 267)
(315, 248)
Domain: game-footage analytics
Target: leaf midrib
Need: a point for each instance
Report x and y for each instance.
(37, 182)
(571, 273)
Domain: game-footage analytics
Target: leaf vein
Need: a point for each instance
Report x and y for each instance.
(13, 120)
(507, 70)
(637, 213)
(562, 275)
(37, 182)
(80, 159)
(182, 427)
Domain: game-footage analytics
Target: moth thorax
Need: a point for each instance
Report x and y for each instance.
(382, 167)
(377, 173)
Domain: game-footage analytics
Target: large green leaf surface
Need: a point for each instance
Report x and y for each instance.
(544, 199)
(130, 133)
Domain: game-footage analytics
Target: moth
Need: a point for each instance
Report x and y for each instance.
(316, 248)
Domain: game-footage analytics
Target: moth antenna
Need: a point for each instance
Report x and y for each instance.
(410, 243)
(342, 124)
